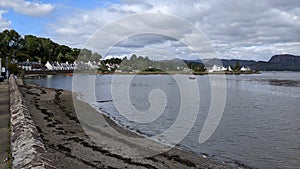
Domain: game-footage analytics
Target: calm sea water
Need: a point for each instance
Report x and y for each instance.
(260, 126)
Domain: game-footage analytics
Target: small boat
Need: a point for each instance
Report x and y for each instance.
(69, 74)
(192, 77)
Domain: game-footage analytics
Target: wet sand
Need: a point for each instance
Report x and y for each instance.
(64, 137)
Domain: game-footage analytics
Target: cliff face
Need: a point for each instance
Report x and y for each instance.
(285, 62)
(279, 63)
(276, 63)
(285, 59)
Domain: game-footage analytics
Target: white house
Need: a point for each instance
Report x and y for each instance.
(216, 68)
(26, 67)
(49, 66)
(245, 69)
(60, 66)
(31, 65)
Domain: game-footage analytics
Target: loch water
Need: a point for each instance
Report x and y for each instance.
(260, 124)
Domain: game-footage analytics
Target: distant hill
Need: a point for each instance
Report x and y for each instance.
(224, 62)
(279, 63)
(276, 63)
(229, 62)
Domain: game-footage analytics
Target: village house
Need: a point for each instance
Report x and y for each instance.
(31, 65)
(216, 68)
(245, 69)
(59, 66)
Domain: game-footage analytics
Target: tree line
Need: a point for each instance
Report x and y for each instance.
(38, 49)
(33, 48)
(145, 64)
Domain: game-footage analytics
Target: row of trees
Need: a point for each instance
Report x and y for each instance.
(29, 47)
(145, 64)
(33, 48)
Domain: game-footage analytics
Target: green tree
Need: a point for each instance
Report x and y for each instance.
(10, 41)
(63, 49)
(47, 49)
(198, 68)
(237, 66)
(75, 52)
(96, 57)
(13, 68)
(133, 57)
(32, 45)
(11, 38)
(85, 55)
(70, 58)
(21, 57)
(61, 57)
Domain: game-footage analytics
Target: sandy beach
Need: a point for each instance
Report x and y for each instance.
(64, 137)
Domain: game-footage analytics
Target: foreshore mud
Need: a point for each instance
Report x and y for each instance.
(65, 139)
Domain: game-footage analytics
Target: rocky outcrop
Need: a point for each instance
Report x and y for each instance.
(28, 150)
(284, 59)
(283, 62)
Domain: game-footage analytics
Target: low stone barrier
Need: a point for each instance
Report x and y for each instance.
(27, 148)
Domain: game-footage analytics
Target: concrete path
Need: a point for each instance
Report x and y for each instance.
(4, 121)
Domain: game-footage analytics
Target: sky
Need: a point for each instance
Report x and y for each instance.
(245, 29)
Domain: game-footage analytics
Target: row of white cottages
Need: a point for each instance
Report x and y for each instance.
(216, 68)
(62, 66)
(77, 65)
(94, 65)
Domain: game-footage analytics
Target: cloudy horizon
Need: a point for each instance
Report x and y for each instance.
(251, 30)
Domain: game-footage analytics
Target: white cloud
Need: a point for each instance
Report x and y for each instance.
(243, 29)
(4, 24)
(27, 7)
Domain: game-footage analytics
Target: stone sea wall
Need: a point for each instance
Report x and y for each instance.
(27, 148)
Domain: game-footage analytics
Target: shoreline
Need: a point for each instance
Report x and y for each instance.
(96, 72)
(231, 162)
(62, 98)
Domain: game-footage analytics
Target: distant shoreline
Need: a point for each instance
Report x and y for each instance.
(61, 72)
